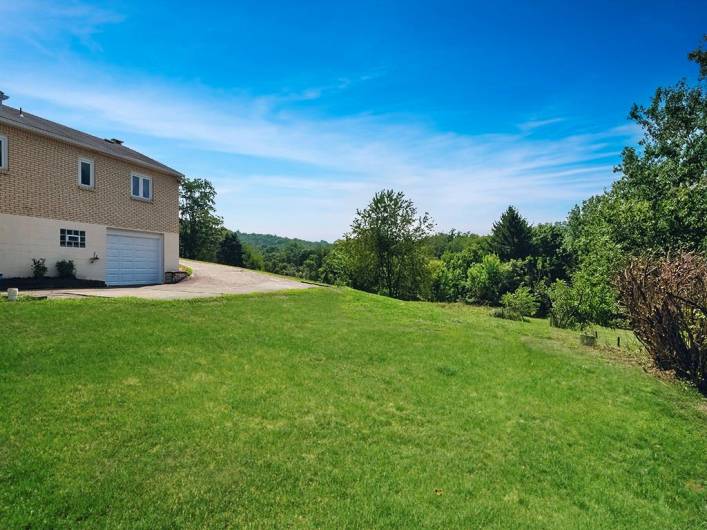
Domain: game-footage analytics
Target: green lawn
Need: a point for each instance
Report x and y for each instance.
(331, 408)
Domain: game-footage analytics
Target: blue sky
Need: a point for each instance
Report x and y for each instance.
(300, 111)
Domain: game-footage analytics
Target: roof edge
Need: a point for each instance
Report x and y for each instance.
(59, 138)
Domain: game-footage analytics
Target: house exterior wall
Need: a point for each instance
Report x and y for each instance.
(40, 194)
(171, 251)
(42, 181)
(23, 238)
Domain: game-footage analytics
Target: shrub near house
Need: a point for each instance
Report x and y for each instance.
(65, 269)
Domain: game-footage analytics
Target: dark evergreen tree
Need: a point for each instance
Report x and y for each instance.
(511, 237)
(230, 250)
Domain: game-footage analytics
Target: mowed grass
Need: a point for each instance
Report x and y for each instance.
(332, 408)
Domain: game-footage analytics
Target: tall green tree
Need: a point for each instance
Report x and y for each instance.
(230, 251)
(200, 229)
(511, 236)
(386, 247)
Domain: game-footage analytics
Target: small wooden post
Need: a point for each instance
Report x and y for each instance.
(618, 342)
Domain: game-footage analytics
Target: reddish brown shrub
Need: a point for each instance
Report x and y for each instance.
(665, 301)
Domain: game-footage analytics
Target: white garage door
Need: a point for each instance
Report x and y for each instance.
(133, 258)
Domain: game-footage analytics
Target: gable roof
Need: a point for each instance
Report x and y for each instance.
(30, 122)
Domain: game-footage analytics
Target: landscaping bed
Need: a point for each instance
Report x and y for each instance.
(30, 284)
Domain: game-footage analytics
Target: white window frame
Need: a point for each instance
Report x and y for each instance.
(93, 173)
(142, 178)
(3, 152)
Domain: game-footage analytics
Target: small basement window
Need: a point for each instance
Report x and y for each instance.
(3, 152)
(141, 187)
(86, 173)
(72, 238)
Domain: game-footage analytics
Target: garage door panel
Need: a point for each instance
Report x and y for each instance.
(133, 259)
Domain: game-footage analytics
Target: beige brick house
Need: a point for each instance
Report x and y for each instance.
(65, 194)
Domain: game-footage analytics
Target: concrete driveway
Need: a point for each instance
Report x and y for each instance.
(208, 279)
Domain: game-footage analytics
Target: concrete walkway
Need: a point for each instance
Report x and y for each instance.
(208, 279)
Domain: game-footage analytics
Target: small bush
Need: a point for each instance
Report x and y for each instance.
(39, 267)
(504, 312)
(521, 302)
(65, 268)
(665, 301)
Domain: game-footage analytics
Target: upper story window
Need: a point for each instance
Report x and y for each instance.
(86, 174)
(141, 187)
(3, 152)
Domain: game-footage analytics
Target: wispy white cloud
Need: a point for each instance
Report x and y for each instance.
(42, 24)
(288, 182)
(242, 125)
(316, 92)
(464, 180)
(358, 153)
(536, 124)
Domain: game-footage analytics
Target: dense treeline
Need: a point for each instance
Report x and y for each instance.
(408, 261)
(514, 255)
(298, 259)
(267, 241)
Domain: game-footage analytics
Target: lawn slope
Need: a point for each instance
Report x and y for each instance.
(331, 408)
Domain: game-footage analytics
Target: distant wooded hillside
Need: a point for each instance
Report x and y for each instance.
(270, 241)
